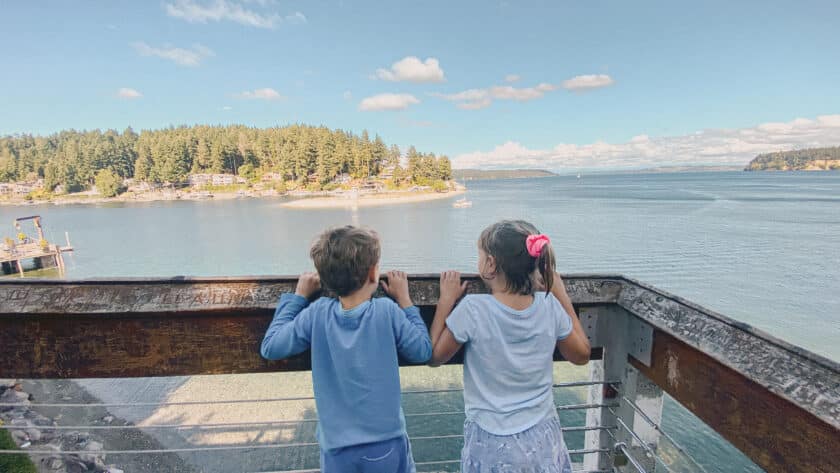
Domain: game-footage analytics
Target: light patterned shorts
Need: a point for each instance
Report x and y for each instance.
(540, 449)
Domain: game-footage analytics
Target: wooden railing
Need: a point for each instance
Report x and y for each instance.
(777, 403)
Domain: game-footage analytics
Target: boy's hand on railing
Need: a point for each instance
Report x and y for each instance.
(308, 284)
(451, 287)
(397, 288)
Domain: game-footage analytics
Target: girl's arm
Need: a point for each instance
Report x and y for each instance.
(444, 345)
(574, 348)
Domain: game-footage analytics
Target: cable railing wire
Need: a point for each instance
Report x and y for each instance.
(570, 384)
(418, 464)
(642, 443)
(659, 429)
(228, 425)
(215, 448)
(622, 447)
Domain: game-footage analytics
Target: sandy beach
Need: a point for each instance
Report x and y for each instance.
(371, 200)
(301, 199)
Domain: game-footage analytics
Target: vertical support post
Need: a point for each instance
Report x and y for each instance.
(39, 229)
(19, 267)
(649, 399)
(620, 335)
(610, 329)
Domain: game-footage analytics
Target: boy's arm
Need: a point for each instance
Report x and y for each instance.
(412, 338)
(574, 348)
(291, 329)
(410, 332)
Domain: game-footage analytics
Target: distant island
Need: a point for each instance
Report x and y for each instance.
(678, 169)
(481, 174)
(200, 162)
(814, 159)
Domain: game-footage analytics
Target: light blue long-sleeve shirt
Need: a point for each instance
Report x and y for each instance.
(355, 371)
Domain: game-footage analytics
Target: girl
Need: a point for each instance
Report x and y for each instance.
(509, 336)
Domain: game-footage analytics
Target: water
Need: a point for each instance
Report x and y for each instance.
(763, 248)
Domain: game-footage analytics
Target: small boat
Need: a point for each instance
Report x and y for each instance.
(462, 203)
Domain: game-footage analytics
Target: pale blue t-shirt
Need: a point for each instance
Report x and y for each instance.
(508, 359)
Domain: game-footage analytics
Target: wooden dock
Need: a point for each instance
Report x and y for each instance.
(14, 252)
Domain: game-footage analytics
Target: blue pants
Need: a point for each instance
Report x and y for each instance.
(388, 456)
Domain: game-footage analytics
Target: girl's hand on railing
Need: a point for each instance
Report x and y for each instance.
(451, 288)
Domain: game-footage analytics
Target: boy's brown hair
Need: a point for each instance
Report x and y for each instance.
(343, 257)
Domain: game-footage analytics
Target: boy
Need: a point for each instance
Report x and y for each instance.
(355, 341)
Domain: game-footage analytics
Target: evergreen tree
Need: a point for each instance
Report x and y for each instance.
(108, 183)
(72, 159)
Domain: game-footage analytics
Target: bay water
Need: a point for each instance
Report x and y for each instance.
(762, 248)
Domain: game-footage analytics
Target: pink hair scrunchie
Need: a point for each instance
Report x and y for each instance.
(535, 244)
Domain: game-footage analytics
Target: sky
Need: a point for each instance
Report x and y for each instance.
(560, 85)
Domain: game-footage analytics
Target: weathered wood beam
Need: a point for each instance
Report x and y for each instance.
(777, 434)
(130, 328)
(788, 371)
(92, 296)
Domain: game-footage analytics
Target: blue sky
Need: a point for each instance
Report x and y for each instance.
(556, 84)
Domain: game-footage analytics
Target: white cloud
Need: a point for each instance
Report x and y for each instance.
(128, 93)
(412, 69)
(348, 95)
(474, 99)
(225, 10)
(476, 104)
(260, 94)
(227, 108)
(588, 82)
(387, 102)
(184, 57)
(710, 147)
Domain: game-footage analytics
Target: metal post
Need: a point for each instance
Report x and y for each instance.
(608, 330)
(649, 400)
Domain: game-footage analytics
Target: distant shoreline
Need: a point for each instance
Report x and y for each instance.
(490, 174)
(300, 199)
(371, 200)
(156, 196)
(662, 170)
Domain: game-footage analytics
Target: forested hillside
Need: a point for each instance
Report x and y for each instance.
(317, 155)
(797, 160)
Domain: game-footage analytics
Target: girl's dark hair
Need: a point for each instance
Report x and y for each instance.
(505, 242)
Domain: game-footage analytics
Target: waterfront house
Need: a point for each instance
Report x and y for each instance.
(23, 188)
(198, 180)
(222, 179)
(387, 172)
(272, 176)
